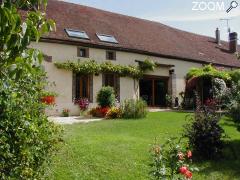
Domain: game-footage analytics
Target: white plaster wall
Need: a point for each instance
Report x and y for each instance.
(63, 78)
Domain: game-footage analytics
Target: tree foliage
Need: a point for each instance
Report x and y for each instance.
(27, 138)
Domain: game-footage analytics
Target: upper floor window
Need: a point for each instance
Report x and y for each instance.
(77, 34)
(110, 55)
(82, 52)
(107, 38)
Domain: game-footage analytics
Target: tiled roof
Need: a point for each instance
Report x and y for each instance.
(137, 35)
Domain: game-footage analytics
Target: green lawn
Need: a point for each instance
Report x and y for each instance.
(119, 149)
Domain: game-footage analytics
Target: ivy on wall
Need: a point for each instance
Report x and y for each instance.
(93, 67)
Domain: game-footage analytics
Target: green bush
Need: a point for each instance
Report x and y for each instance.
(135, 109)
(205, 135)
(232, 98)
(27, 138)
(106, 97)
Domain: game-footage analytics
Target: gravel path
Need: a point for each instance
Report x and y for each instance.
(71, 120)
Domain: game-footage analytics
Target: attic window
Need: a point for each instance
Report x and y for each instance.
(107, 38)
(77, 34)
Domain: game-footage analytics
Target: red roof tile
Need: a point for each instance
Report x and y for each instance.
(136, 35)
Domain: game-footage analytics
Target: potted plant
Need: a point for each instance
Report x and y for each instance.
(83, 104)
(48, 98)
(65, 112)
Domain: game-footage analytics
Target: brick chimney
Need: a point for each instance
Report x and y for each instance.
(217, 32)
(233, 38)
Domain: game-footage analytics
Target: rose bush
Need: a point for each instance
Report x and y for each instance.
(171, 161)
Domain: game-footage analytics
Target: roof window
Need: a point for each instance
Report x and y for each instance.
(107, 38)
(77, 34)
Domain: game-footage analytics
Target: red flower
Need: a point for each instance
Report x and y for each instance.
(183, 170)
(49, 100)
(189, 154)
(188, 174)
(180, 156)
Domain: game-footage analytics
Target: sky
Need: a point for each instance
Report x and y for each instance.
(197, 16)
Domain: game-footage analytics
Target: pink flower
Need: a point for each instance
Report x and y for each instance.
(189, 154)
(180, 156)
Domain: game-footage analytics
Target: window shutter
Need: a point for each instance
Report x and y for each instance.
(87, 52)
(91, 88)
(103, 79)
(73, 86)
(117, 82)
(78, 51)
(114, 55)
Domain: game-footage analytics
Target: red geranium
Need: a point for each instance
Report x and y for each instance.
(49, 100)
(104, 111)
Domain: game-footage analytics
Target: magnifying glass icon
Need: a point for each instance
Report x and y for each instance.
(233, 4)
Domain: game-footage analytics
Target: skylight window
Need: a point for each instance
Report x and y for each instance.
(107, 38)
(77, 34)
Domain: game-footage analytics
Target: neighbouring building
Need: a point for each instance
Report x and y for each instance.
(85, 33)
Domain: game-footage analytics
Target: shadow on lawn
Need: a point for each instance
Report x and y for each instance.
(228, 165)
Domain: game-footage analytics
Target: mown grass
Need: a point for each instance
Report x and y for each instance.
(119, 149)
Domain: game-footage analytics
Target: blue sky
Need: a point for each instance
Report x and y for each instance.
(198, 16)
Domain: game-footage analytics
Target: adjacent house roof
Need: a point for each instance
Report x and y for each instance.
(135, 35)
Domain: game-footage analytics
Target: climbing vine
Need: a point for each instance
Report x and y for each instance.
(93, 67)
(208, 71)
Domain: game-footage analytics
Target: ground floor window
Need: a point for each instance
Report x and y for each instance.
(82, 86)
(112, 80)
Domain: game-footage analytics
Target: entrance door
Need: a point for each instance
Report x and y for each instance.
(153, 90)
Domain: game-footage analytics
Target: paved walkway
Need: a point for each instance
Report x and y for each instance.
(71, 120)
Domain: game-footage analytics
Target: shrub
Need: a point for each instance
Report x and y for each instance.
(134, 109)
(27, 137)
(204, 133)
(232, 100)
(114, 113)
(171, 161)
(169, 100)
(100, 112)
(106, 97)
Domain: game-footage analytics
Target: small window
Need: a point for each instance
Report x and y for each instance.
(107, 38)
(77, 34)
(110, 55)
(83, 52)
